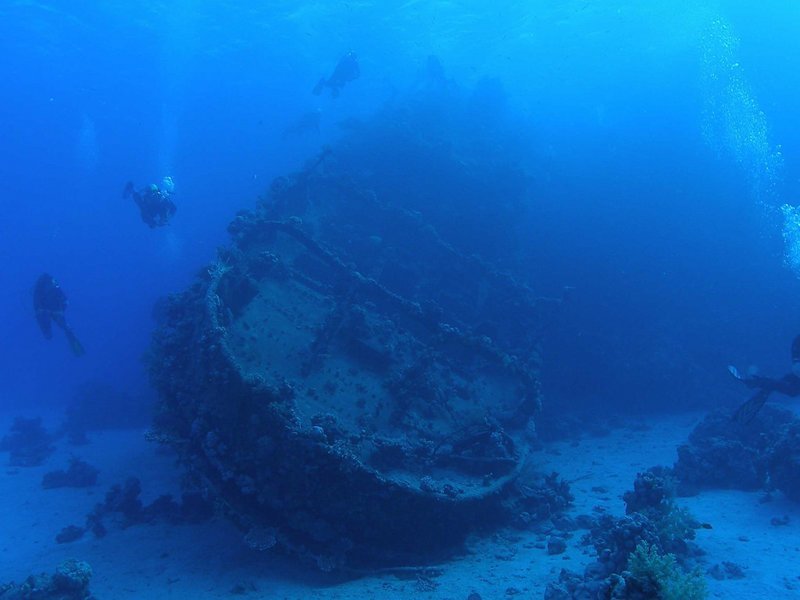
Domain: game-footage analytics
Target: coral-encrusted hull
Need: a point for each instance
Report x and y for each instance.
(332, 416)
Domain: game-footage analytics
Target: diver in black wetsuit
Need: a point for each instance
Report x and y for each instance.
(346, 70)
(50, 303)
(154, 204)
(788, 385)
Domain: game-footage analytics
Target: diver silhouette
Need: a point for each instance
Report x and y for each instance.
(50, 304)
(346, 70)
(788, 385)
(155, 205)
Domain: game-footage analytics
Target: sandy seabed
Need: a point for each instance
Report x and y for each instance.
(211, 561)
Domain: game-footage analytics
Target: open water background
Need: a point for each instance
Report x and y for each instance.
(661, 139)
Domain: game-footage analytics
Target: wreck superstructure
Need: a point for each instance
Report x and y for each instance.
(350, 386)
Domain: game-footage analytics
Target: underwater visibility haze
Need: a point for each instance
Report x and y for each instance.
(384, 299)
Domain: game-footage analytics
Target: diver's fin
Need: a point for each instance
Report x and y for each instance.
(77, 347)
(748, 411)
(127, 191)
(74, 343)
(319, 87)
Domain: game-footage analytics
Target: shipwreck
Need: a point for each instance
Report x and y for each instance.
(347, 384)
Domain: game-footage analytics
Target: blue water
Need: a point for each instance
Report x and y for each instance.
(662, 139)
(662, 230)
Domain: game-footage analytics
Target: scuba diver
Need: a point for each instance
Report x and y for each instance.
(50, 303)
(154, 204)
(788, 385)
(346, 70)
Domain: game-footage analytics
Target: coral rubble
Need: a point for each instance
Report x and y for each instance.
(78, 474)
(762, 454)
(69, 582)
(644, 554)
